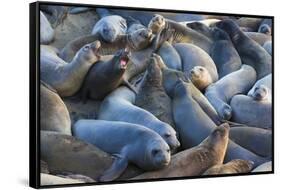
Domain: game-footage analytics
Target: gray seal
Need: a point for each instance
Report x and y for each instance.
(151, 95)
(254, 139)
(67, 78)
(54, 115)
(110, 27)
(220, 93)
(47, 33)
(119, 106)
(258, 58)
(195, 125)
(252, 112)
(105, 76)
(127, 142)
(195, 161)
(224, 53)
(236, 166)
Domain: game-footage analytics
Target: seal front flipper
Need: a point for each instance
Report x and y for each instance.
(119, 165)
(130, 86)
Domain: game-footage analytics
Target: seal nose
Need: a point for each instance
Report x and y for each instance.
(192, 72)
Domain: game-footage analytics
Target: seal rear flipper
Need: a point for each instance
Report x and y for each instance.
(118, 167)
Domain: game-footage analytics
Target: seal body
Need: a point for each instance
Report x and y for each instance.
(268, 47)
(47, 179)
(220, 93)
(224, 54)
(236, 166)
(266, 167)
(54, 115)
(152, 96)
(47, 33)
(250, 52)
(170, 56)
(118, 106)
(260, 38)
(199, 125)
(254, 139)
(131, 143)
(67, 78)
(105, 76)
(195, 161)
(254, 113)
(110, 27)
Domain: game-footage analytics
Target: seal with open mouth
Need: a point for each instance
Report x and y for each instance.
(105, 76)
(67, 78)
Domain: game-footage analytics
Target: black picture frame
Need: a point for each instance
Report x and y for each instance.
(34, 92)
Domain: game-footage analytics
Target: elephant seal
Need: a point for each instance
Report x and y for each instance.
(131, 143)
(105, 76)
(170, 56)
(110, 27)
(254, 139)
(260, 38)
(268, 47)
(181, 34)
(192, 56)
(200, 77)
(195, 161)
(255, 113)
(265, 26)
(118, 106)
(54, 115)
(66, 78)
(266, 82)
(220, 93)
(47, 33)
(224, 53)
(194, 124)
(134, 41)
(258, 58)
(247, 22)
(170, 78)
(151, 95)
(236, 166)
(266, 167)
(47, 179)
(64, 153)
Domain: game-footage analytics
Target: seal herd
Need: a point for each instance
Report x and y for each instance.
(130, 95)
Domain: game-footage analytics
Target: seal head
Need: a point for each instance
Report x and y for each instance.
(200, 77)
(260, 93)
(140, 39)
(157, 23)
(89, 53)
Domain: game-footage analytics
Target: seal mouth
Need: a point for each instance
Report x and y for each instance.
(124, 59)
(194, 74)
(96, 48)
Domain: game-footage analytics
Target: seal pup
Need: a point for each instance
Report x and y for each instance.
(181, 34)
(66, 78)
(110, 27)
(254, 139)
(54, 115)
(252, 111)
(170, 56)
(47, 33)
(134, 41)
(268, 47)
(266, 167)
(250, 52)
(236, 166)
(105, 76)
(151, 95)
(170, 78)
(224, 53)
(220, 93)
(199, 125)
(192, 56)
(119, 106)
(131, 143)
(194, 161)
(266, 82)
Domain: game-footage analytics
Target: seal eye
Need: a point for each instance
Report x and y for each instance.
(201, 69)
(155, 151)
(167, 135)
(86, 48)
